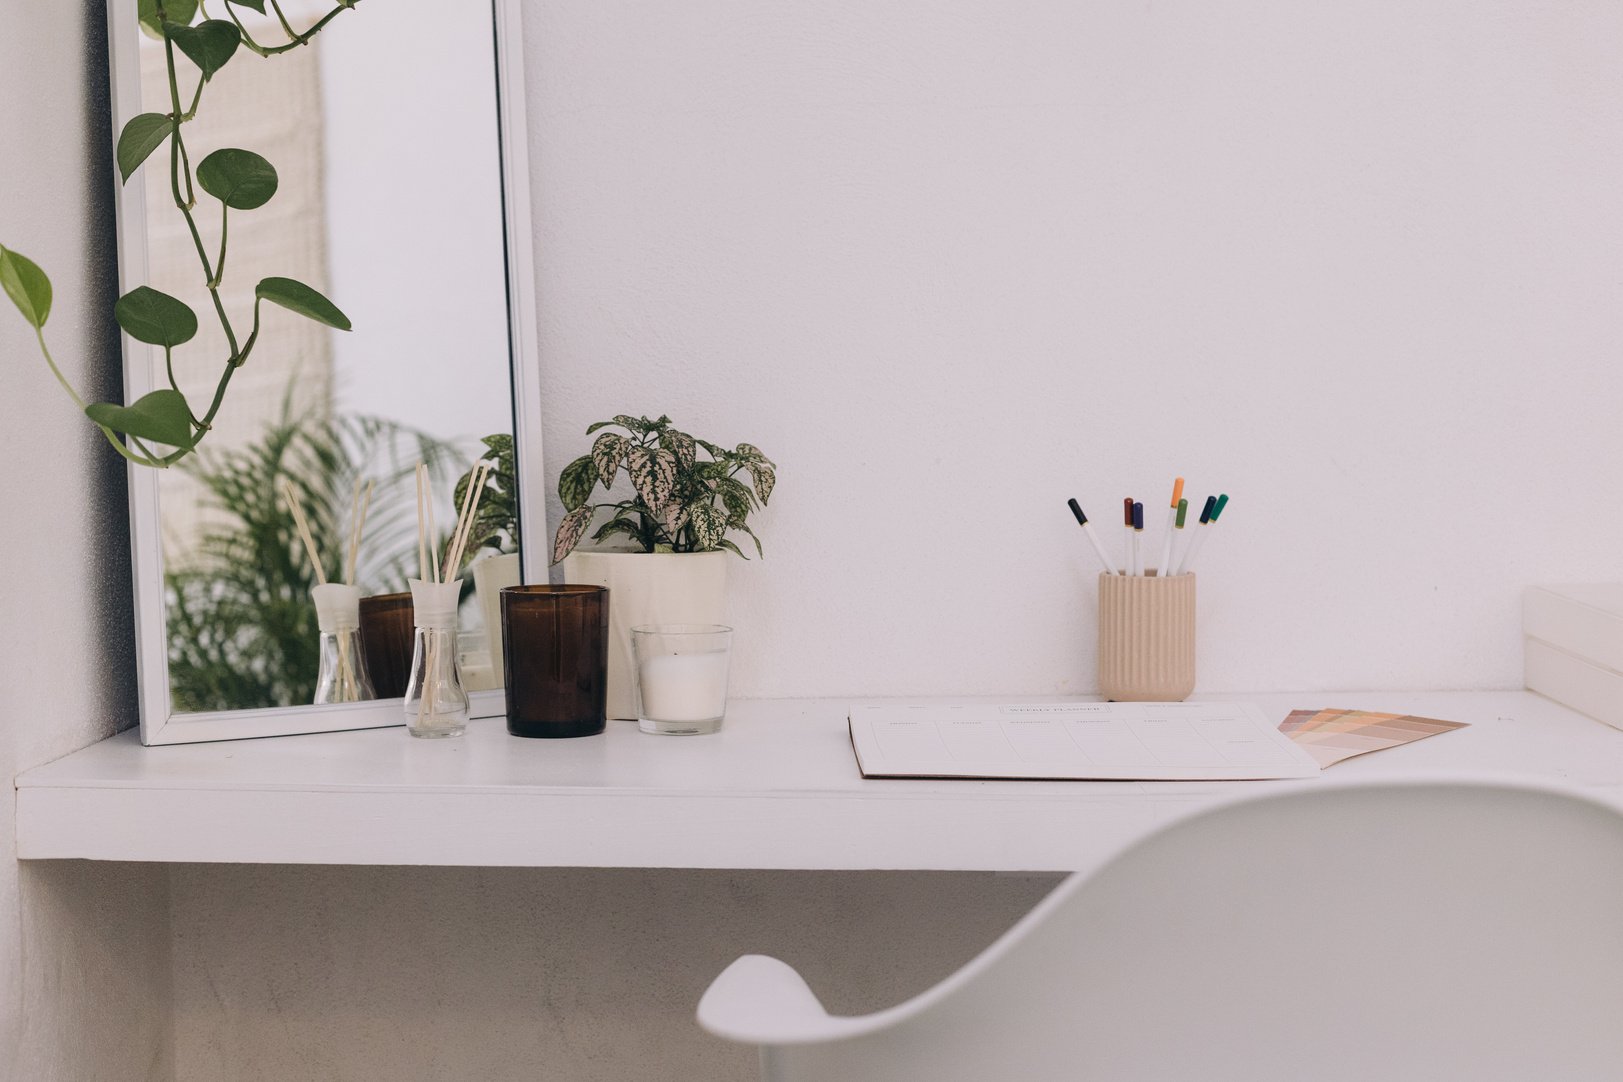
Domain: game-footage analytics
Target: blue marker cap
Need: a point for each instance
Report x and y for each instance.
(1206, 512)
(1138, 516)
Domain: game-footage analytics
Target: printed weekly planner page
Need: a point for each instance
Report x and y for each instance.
(1074, 741)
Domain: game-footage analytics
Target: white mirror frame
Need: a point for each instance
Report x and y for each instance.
(159, 723)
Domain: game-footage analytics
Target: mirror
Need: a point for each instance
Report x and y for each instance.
(401, 194)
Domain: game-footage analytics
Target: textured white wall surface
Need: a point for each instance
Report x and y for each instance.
(1358, 265)
(515, 975)
(84, 949)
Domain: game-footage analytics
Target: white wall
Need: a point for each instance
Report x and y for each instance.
(518, 975)
(1358, 265)
(84, 951)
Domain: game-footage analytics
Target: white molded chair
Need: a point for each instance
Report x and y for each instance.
(1434, 931)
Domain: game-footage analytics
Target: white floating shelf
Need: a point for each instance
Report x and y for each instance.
(777, 788)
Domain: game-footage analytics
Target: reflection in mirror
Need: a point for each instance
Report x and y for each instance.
(404, 232)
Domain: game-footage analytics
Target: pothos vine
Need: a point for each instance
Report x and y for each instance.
(240, 180)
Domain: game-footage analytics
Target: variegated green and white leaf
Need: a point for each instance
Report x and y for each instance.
(765, 478)
(653, 474)
(672, 517)
(709, 526)
(570, 531)
(576, 482)
(606, 455)
(636, 424)
(751, 453)
(732, 548)
(711, 449)
(679, 444)
(736, 497)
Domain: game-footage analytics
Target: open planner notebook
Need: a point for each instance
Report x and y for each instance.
(1074, 741)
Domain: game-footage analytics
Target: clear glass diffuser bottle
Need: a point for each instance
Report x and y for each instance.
(342, 675)
(436, 704)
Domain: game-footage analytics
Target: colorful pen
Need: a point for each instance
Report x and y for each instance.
(1208, 515)
(1093, 538)
(1164, 568)
(1138, 534)
(1127, 542)
(1177, 526)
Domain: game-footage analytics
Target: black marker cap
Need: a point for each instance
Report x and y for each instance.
(1076, 509)
(1206, 512)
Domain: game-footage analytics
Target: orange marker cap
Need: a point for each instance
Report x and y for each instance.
(1177, 491)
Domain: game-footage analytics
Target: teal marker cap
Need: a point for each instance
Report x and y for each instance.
(1183, 509)
(1222, 502)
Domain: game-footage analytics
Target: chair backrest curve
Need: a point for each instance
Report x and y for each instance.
(1412, 930)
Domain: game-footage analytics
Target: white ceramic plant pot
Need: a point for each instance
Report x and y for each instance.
(490, 576)
(649, 588)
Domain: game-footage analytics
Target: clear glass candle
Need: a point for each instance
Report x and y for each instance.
(681, 677)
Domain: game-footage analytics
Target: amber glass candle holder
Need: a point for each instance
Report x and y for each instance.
(386, 640)
(556, 645)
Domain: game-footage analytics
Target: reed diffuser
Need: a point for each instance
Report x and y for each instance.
(342, 675)
(436, 703)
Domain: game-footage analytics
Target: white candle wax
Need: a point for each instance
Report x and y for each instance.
(684, 687)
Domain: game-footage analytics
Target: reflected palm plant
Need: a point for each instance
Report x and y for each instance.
(241, 626)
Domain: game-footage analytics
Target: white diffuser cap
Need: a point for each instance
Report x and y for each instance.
(433, 604)
(338, 606)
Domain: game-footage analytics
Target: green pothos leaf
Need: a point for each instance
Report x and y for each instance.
(576, 482)
(155, 318)
(177, 12)
(570, 531)
(161, 416)
(295, 296)
(140, 137)
(606, 454)
(256, 5)
(209, 44)
(240, 179)
(653, 474)
(26, 285)
(709, 526)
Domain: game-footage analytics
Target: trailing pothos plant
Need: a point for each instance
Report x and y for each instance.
(673, 506)
(240, 180)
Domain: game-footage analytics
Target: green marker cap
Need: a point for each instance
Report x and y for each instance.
(1183, 509)
(1222, 502)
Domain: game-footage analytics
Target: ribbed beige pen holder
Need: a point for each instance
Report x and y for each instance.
(1146, 637)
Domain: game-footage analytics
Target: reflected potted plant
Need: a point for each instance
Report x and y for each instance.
(493, 542)
(664, 543)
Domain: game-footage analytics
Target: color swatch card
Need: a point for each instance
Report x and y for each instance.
(1333, 735)
(1074, 741)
